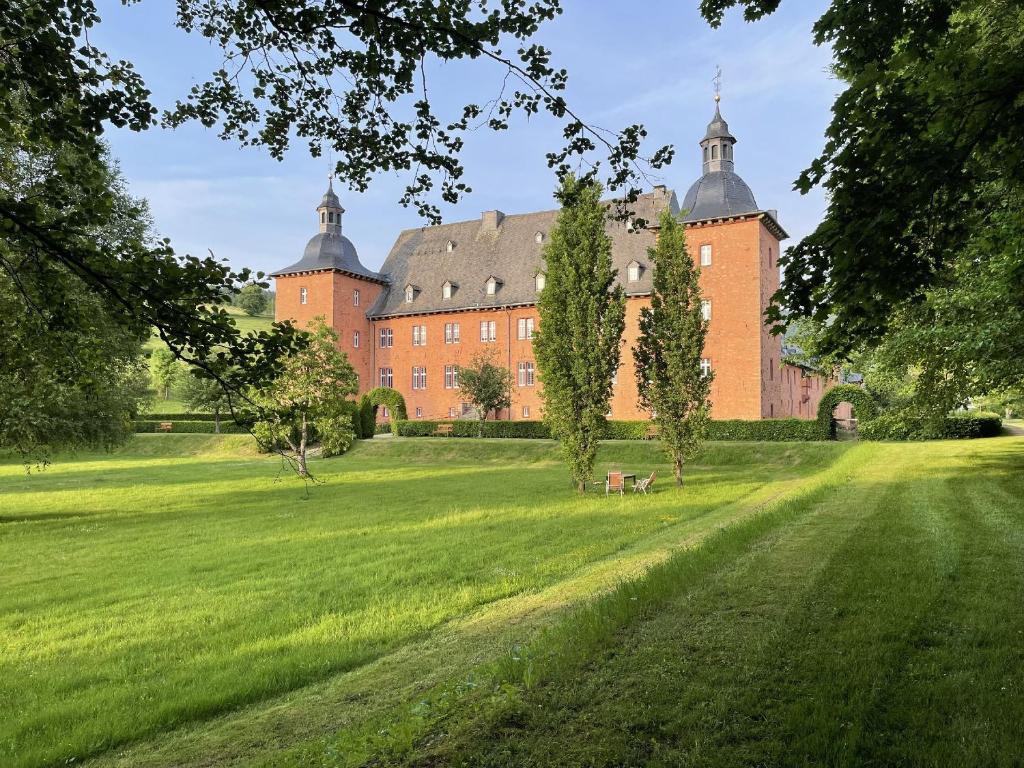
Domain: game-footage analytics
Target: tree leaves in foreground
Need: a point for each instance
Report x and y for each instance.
(932, 116)
(669, 349)
(486, 384)
(309, 400)
(582, 317)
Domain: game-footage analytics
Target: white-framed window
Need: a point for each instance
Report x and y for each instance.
(633, 271)
(526, 411)
(450, 246)
(705, 255)
(355, 297)
(419, 377)
(387, 337)
(451, 377)
(419, 335)
(303, 296)
(384, 411)
(467, 408)
(410, 294)
(355, 339)
(540, 280)
(419, 412)
(524, 328)
(525, 374)
(539, 237)
(387, 378)
(451, 412)
(705, 308)
(488, 330)
(446, 291)
(492, 286)
(451, 333)
(705, 366)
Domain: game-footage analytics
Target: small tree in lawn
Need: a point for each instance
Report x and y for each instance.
(201, 393)
(166, 371)
(308, 399)
(487, 385)
(252, 300)
(582, 316)
(668, 352)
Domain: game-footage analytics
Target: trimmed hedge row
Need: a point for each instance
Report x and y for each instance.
(956, 426)
(183, 417)
(227, 427)
(736, 429)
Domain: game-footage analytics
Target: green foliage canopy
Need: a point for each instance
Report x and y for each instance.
(309, 399)
(582, 317)
(669, 349)
(252, 299)
(487, 385)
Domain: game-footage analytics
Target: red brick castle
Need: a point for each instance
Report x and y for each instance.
(446, 292)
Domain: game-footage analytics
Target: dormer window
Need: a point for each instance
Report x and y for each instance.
(447, 289)
(410, 293)
(539, 279)
(633, 271)
(492, 285)
(539, 237)
(449, 246)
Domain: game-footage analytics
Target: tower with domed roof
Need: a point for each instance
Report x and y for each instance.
(330, 281)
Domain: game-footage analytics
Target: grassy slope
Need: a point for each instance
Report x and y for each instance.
(875, 622)
(179, 585)
(244, 322)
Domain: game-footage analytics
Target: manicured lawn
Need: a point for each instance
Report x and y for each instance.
(186, 601)
(875, 621)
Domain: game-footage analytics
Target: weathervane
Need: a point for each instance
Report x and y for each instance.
(717, 80)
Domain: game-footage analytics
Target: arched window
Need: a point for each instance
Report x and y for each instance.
(714, 152)
(705, 154)
(323, 216)
(539, 237)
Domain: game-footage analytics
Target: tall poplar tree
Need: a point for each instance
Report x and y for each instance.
(668, 351)
(582, 316)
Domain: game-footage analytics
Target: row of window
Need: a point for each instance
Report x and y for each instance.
(453, 333)
(525, 376)
(634, 271)
(304, 296)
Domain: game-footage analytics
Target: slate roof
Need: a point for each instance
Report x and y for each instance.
(330, 250)
(509, 251)
(718, 195)
(718, 128)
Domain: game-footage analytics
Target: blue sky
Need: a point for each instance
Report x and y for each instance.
(652, 65)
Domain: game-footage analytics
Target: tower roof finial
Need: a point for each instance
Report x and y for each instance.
(717, 80)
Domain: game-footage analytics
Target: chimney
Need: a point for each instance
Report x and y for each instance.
(491, 220)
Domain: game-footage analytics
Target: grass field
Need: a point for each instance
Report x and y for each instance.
(177, 604)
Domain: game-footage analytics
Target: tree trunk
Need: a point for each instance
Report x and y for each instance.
(303, 470)
(677, 467)
(480, 426)
(216, 422)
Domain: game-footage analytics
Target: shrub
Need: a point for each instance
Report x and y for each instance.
(180, 417)
(900, 425)
(367, 417)
(767, 430)
(194, 426)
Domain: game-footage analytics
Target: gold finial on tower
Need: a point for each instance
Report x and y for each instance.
(717, 80)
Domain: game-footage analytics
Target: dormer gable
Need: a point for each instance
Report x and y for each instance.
(634, 270)
(411, 291)
(448, 289)
(492, 285)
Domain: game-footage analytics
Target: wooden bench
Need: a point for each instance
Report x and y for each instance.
(164, 426)
(651, 433)
(444, 430)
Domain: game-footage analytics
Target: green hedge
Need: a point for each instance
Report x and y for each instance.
(766, 430)
(183, 417)
(227, 427)
(956, 426)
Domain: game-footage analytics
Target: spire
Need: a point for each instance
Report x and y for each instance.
(329, 211)
(716, 146)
